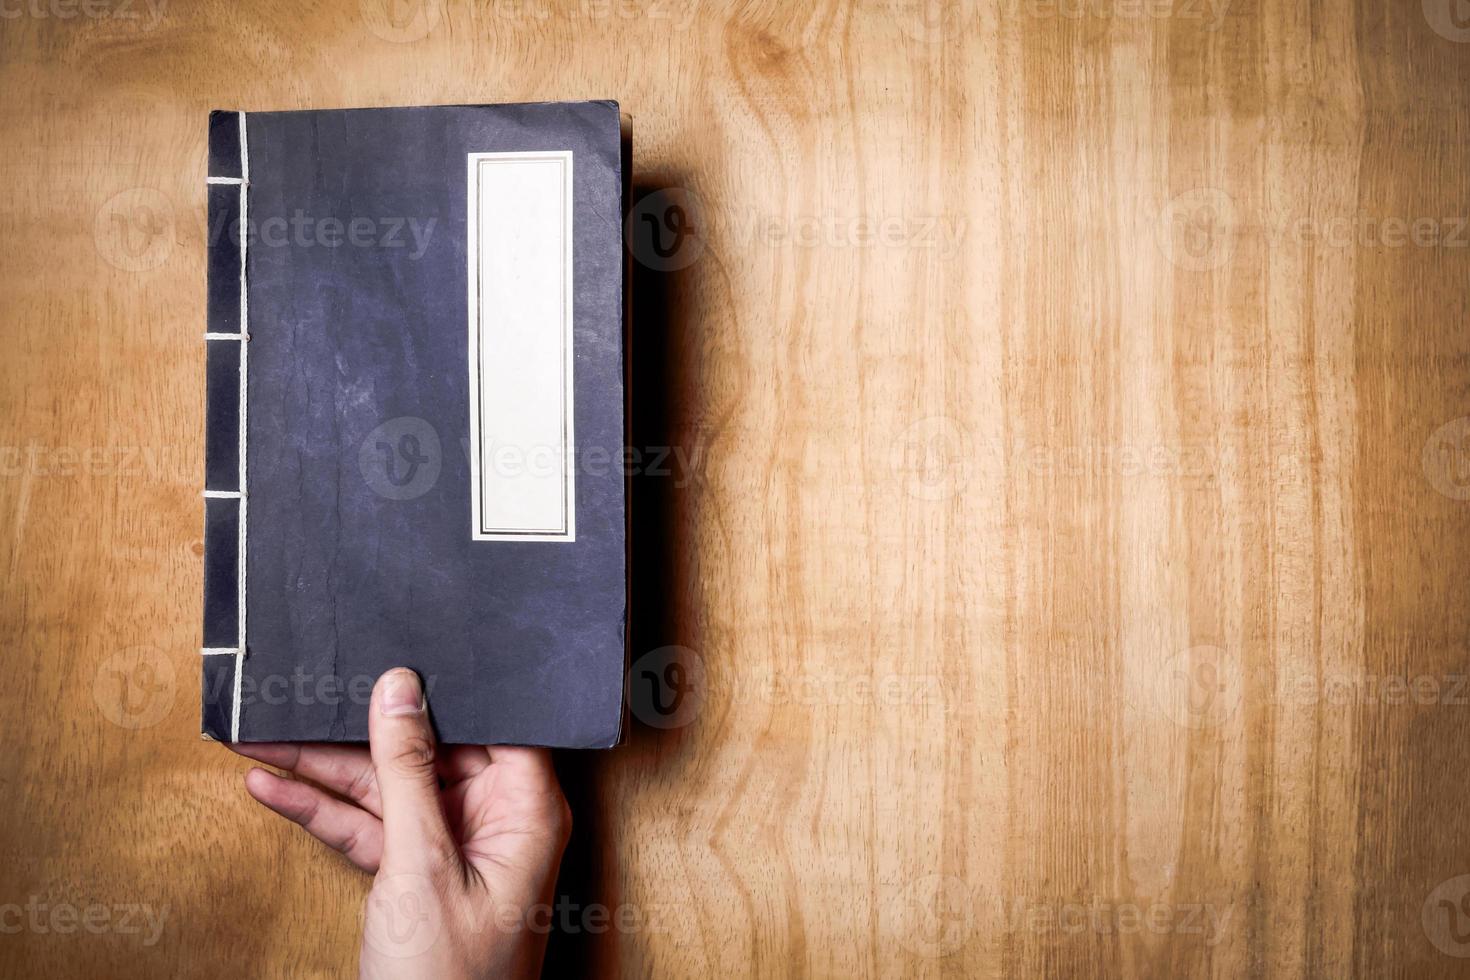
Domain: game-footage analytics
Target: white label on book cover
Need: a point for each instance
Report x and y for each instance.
(519, 241)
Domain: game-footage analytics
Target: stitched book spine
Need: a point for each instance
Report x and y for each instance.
(225, 485)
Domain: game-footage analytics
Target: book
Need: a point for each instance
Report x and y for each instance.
(415, 417)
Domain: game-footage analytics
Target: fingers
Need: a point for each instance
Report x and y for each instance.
(341, 826)
(348, 769)
(343, 769)
(415, 835)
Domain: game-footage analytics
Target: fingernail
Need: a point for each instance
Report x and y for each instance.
(401, 693)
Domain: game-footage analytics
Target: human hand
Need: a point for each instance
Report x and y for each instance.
(462, 868)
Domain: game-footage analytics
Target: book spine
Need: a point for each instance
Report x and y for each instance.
(226, 497)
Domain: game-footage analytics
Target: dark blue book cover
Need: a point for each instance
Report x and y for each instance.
(415, 421)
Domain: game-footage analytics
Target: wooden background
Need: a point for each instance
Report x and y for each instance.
(1066, 535)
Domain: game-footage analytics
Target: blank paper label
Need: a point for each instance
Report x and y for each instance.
(520, 346)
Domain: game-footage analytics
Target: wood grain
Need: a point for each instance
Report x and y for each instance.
(1065, 533)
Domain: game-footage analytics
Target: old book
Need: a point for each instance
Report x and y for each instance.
(415, 421)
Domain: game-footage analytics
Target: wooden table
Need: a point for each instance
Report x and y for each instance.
(1065, 521)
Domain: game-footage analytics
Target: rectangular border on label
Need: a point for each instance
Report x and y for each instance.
(523, 505)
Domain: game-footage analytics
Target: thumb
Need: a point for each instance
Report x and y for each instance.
(415, 835)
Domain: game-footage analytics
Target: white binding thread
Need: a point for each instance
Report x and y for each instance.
(242, 335)
(244, 182)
